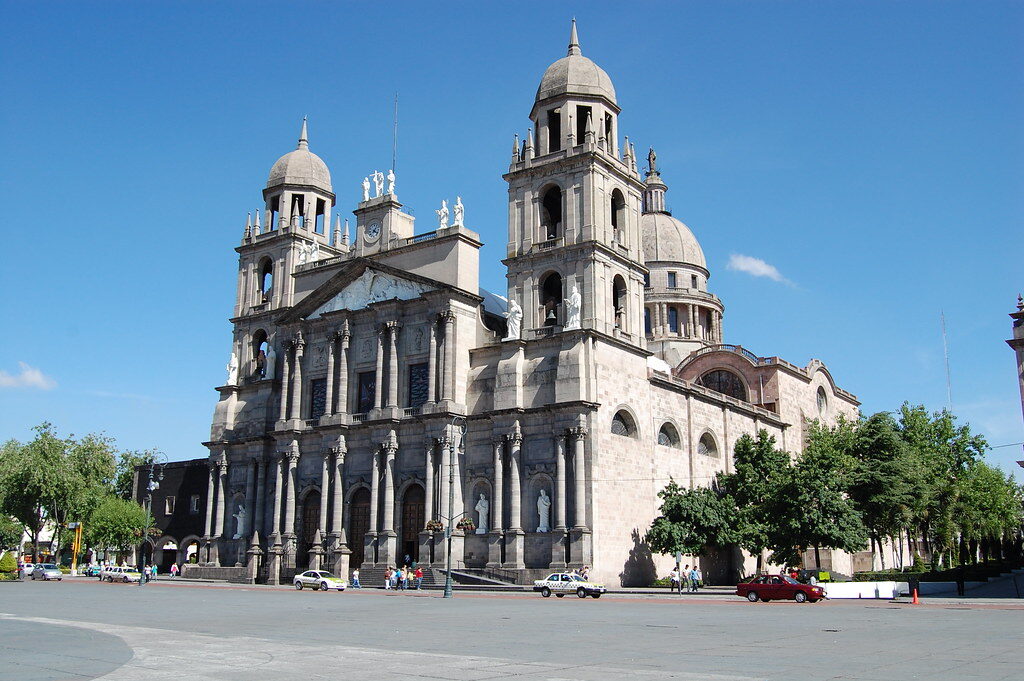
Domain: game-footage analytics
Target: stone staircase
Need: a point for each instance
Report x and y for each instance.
(373, 577)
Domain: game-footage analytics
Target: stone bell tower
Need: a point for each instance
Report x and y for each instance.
(574, 208)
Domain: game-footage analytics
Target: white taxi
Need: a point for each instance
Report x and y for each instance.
(562, 583)
(319, 579)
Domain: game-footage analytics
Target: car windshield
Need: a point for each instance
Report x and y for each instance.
(328, 575)
(49, 566)
(790, 580)
(577, 578)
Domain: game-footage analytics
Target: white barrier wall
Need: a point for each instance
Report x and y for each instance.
(886, 590)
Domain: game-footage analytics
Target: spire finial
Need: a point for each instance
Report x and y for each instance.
(303, 136)
(574, 40)
(1020, 302)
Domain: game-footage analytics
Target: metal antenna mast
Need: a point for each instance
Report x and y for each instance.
(394, 139)
(945, 350)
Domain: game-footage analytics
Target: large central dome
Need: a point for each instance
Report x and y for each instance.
(574, 74)
(300, 166)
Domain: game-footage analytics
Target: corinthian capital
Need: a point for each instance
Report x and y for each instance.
(447, 316)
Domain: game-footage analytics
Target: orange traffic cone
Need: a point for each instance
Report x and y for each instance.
(915, 601)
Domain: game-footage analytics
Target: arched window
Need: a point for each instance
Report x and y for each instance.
(706, 446)
(265, 281)
(667, 436)
(619, 301)
(822, 401)
(551, 213)
(551, 299)
(623, 424)
(618, 206)
(259, 353)
(673, 320)
(725, 382)
(647, 321)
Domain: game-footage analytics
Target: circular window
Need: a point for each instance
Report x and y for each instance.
(822, 401)
(707, 446)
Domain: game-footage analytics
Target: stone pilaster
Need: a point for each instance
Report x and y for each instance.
(387, 539)
(379, 376)
(432, 364)
(259, 510)
(495, 536)
(393, 328)
(558, 532)
(332, 346)
(325, 486)
(448, 378)
(515, 538)
(342, 398)
(296, 397)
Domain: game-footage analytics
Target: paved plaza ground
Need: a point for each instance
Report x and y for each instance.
(82, 629)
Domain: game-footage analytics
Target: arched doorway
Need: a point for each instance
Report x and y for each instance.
(412, 522)
(310, 523)
(358, 525)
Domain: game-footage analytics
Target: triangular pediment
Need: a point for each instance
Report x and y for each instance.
(372, 286)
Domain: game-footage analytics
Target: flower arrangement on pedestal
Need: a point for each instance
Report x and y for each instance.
(466, 525)
(434, 526)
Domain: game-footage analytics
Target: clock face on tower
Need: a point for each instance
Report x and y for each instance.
(373, 230)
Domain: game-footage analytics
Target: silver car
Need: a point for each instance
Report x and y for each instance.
(46, 572)
(319, 580)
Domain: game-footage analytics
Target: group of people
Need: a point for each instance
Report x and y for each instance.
(403, 578)
(688, 577)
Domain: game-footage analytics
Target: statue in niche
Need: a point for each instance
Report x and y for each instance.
(366, 189)
(391, 181)
(544, 512)
(483, 508)
(240, 518)
(232, 369)
(460, 213)
(378, 183)
(572, 309)
(515, 320)
(442, 215)
(271, 363)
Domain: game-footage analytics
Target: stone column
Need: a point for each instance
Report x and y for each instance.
(377, 384)
(580, 537)
(393, 328)
(222, 492)
(387, 542)
(259, 511)
(432, 364)
(278, 463)
(341, 549)
(514, 536)
(371, 536)
(558, 532)
(285, 380)
(289, 512)
(250, 497)
(325, 485)
(494, 538)
(342, 399)
(442, 474)
(332, 344)
(692, 326)
(296, 412)
(428, 480)
(211, 491)
(448, 378)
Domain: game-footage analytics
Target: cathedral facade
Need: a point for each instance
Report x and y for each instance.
(376, 393)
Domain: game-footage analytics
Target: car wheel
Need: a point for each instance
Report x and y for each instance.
(545, 592)
(595, 595)
(559, 595)
(298, 586)
(813, 600)
(800, 597)
(752, 597)
(125, 580)
(581, 592)
(324, 587)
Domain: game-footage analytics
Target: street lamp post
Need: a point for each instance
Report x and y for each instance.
(155, 477)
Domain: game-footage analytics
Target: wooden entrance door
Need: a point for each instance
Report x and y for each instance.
(358, 525)
(412, 522)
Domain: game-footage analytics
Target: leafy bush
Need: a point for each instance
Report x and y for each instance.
(8, 576)
(8, 564)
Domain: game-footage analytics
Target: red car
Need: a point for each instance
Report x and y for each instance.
(779, 587)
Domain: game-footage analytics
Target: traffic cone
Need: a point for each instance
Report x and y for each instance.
(915, 601)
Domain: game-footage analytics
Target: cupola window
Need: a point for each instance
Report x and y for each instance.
(266, 281)
(582, 114)
(551, 299)
(647, 321)
(554, 130)
(673, 320)
(618, 207)
(619, 302)
(671, 279)
(551, 213)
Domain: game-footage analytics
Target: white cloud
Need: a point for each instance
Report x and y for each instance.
(30, 377)
(754, 267)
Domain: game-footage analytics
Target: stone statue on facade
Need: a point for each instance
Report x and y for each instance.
(652, 161)
(232, 369)
(271, 362)
(378, 183)
(240, 518)
(442, 215)
(460, 213)
(366, 189)
(515, 320)
(391, 181)
(483, 508)
(572, 309)
(544, 512)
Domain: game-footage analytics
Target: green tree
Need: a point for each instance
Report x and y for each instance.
(988, 506)
(126, 463)
(10, 532)
(8, 563)
(691, 521)
(812, 508)
(24, 487)
(759, 472)
(118, 524)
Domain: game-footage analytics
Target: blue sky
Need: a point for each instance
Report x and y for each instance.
(871, 153)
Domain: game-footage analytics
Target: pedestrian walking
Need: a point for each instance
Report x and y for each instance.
(153, 570)
(174, 570)
(355, 579)
(585, 574)
(674, 580)
(693, 576)
(419, 578)
(700, 578)
(387, 579)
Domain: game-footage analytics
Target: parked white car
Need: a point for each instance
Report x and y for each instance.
(118, 573)
(562, 583)
(319, 580)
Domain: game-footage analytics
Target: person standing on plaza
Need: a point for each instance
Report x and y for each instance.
(387, 579)
(674, 580)
(419, 578)
(174, 570)
(694, 577)
(355, 579)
